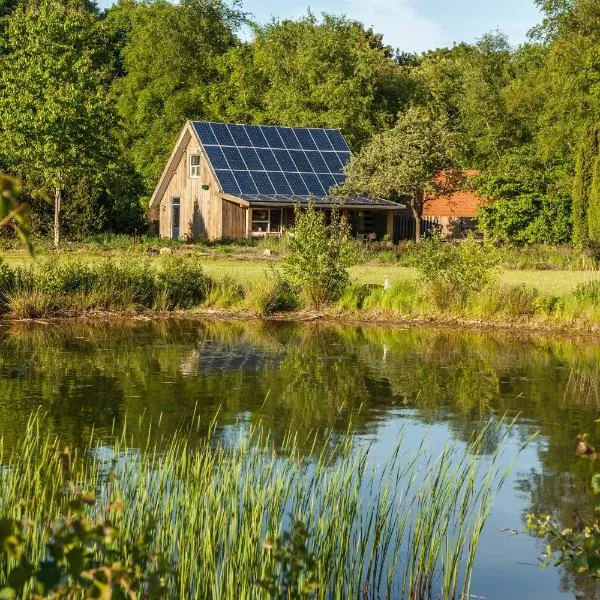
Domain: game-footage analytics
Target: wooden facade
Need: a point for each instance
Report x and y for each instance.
(188, 203)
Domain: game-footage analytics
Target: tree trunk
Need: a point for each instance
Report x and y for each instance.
(417, 217)
(57, 204)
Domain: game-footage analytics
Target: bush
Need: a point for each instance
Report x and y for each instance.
(225, 293)
(271, 295)
(320, 255)
(511, 301)
(181, 283)
(452, 273)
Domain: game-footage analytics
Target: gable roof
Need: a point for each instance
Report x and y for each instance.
(266, 164)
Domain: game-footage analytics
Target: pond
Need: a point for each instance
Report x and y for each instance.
(384, 381)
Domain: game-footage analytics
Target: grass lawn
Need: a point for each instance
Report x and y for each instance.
(549, 282)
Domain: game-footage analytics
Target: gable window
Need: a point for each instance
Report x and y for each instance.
(194, 166)
(266, 221)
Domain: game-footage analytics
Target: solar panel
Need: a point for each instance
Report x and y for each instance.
(337, 140)
(216, 157)
(234, 158)
(289, 138)
(222, 134)
(256, 136)
(205, 133)
(245, 182)
(321, 139)
(272, 136)
(263, 183)
(300, 161)
(239, 135)
(284, 159)
(297, 184)
(251, 159)
(333, 162)
(228, 182)
(274, 162)
(327, 181)
(313, 184)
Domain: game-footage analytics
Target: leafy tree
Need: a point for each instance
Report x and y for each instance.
(320, 254)
(168, 63)
(316, 73)
(55, 117)
(404, 163)
(14, 213)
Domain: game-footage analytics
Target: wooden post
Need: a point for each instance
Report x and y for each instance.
(390, 224)
(248, 222)
(57, 207)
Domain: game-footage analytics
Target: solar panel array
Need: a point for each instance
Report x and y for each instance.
(252, 160)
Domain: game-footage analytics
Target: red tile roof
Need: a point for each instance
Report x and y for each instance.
(462, 203)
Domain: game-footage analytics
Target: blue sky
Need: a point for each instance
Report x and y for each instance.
(414, 25)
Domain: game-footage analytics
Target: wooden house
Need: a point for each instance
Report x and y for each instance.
(229, 181)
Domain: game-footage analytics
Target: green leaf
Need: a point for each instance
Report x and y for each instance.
(596, 483)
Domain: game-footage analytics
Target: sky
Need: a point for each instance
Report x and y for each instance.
(413, 25)
(417, 25)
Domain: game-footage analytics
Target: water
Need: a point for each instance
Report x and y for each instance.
(423, 382)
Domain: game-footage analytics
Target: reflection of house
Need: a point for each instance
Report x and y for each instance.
(234, 181)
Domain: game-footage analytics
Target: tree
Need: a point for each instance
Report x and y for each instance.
(328, 72)
(55, 116)
(405, 162)
(168, 62)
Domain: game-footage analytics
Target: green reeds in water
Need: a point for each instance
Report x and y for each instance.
(405, 528)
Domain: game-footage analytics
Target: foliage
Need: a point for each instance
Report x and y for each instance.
(452, 273)
(295, 575)
(404, 163)
(56, 52)
(328, 72)
(373, 527)
(181, 284)
(319, 256)
(578, 547)
(82, 559)
(168, 58)
(14, 213)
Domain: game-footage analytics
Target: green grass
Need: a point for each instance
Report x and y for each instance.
(377, 529)
(546, 282)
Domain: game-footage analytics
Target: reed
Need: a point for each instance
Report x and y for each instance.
(405, 528)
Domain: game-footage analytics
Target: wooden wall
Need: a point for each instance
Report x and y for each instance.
(201, 212)
(234, 221)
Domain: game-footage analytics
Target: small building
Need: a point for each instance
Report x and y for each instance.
(229, 181)
(453, 213)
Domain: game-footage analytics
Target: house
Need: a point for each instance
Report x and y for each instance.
(452, 212)
(229, 181)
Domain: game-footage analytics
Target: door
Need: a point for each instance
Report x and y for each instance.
(175, 217)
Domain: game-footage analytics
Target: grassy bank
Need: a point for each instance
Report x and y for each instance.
(72, 287)
(206, 507)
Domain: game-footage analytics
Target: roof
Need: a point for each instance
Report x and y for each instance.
(279, 166)
(460, 203)
(457, 204)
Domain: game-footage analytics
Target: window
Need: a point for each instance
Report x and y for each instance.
(266, 221)
(194, 166)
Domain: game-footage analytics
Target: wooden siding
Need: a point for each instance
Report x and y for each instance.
(234, 220)
(201, 212)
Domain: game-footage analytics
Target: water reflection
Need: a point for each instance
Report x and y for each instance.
(314, 378)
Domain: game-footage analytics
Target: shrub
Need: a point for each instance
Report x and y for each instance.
(403, 297)
(512, 301)
(453, 272)
(320, 255)
(225, 293)
(181, 283)
(271, 295)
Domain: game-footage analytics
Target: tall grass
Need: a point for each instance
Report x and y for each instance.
(407, 528)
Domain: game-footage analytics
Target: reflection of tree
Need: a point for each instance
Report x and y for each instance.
(310, 378)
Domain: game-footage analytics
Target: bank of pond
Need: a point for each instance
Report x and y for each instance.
(71, 287)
